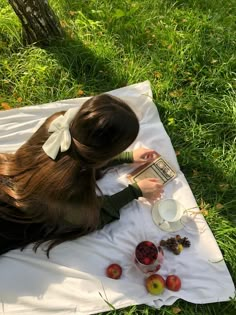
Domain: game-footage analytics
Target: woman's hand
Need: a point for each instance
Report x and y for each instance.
(151, 188)
(144, 155)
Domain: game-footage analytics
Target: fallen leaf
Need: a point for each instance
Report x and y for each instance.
(219, 206)
(188, 106)
(157, 74)
(223, 186)
(214, 61)
(80, 93)
(176, 93)
(19, 99)
(171, 121)
(202, 204)
(5, 105)
(204, 212)
(184, 20)
(72, 13)
(71, 34)
(203, 208)
(195, 173)
(63, 23)
(169, 47)
(177, 153)
(176, 310)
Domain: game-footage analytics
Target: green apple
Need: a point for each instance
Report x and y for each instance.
(155, 284)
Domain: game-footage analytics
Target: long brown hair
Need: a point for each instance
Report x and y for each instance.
(37, 189)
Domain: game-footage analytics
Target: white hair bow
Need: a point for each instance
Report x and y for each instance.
(60, 137)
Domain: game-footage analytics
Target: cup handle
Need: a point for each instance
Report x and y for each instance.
(164, 222)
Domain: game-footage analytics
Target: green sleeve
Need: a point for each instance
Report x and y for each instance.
(111, 205)
(124, 157)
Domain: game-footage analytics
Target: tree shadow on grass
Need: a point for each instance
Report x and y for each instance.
(85, 67)
(210, 183)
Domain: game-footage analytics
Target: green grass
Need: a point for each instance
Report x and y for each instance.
(186, 49)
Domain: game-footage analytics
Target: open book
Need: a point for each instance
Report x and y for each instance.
(159, 168)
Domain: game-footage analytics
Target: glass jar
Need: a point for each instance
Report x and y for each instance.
(148, 257)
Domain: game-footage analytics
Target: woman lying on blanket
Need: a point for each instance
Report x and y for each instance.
(48, 187)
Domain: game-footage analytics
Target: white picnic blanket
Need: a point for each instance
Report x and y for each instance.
(73, 279)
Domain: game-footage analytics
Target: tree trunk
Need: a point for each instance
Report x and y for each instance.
(40, 24)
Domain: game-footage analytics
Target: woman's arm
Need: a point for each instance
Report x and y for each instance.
(124, 157)
(140, 155)
(111, 205)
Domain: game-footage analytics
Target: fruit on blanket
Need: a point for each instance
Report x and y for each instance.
(114, 271)
(184, 241)
(155, 284)
(178, 250)
(170, 244)
(173, 283)
(146, 253)
(175, 244)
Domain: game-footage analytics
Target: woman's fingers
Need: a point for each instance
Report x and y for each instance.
(151, 188)
(150, 155)
(144, 155)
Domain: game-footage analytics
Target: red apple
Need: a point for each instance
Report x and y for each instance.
(155, 284)
(173, 283)
(114, 271)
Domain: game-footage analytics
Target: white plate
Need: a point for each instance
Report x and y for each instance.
(165, 226)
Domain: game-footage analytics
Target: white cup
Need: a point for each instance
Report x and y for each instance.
(170, 211)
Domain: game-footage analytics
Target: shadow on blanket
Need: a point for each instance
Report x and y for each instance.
(26, 272)
(16, 239)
